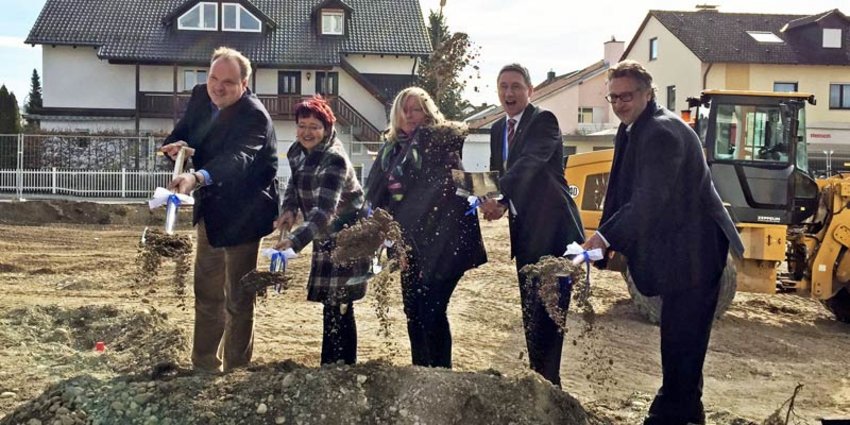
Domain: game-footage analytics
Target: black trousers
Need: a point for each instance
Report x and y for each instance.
(686, 320)
(426, 299)
(339, 337)
(543, 338)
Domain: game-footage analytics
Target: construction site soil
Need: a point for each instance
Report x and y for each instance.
(67, 282)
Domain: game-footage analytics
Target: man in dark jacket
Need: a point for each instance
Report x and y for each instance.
(526, 150)
(662, 212)
(236, 202)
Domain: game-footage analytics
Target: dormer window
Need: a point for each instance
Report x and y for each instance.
(333, 22)
(202, 17)
(831, 38)
(236, 18)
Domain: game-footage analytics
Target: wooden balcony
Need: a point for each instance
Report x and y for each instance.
(280, 107)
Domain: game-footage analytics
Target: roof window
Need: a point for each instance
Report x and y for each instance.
(765, 37)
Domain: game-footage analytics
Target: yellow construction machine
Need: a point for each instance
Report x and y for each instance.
(796, 230)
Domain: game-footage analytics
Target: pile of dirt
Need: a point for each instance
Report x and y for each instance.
(288, 393)
(118, 386)
(71, 212)
(134, 341)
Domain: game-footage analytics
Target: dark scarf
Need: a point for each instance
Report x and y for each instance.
(399, 152)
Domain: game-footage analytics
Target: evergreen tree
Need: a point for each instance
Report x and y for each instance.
(34, 101)
(440, 74)
(10, 116)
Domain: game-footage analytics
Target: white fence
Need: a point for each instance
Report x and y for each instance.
(81, 166)
(132, 184)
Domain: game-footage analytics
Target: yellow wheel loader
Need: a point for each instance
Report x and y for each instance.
(755, 147)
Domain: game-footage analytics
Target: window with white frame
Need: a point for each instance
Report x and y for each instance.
(333, 22)
(234, 17)
(202, 17)
(839, 96)
(832, 38)
(585, 115)
(192, 77)
(358, 171)
(784, 86)
(653, 48)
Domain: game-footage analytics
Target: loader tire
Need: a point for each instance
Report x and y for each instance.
(650, 307)
(839, 305)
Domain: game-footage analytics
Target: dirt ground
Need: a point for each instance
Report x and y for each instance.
(66, 286)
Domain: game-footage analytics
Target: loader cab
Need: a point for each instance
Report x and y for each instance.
(755, 145)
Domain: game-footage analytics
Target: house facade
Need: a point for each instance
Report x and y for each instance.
(687, 52)
(130, 66)
(578, 101)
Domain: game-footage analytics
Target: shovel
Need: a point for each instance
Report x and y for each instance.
(258, 281)
(173, 202)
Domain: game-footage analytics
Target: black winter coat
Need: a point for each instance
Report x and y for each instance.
(444, 241)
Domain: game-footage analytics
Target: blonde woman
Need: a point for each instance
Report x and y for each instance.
(411, 178)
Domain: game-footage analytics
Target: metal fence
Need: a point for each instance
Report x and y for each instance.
(81, 166)
(107, 167)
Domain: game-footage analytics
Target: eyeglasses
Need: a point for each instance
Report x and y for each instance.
(622, 97)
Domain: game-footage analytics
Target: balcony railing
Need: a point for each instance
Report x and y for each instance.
(280, 107)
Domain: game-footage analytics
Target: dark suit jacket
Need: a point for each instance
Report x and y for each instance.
(238, 149)
(547, 219)
(661, 209)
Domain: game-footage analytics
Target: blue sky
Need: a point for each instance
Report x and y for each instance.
(542, 34)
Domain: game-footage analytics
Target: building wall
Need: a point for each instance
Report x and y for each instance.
(676, 64)
(157, 78)
(737, 76)
(589, 93)
(564, 104)
(382, 64)
(77, 78)
(810, 79)
(363, 101)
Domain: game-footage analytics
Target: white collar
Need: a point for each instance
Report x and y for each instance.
(517, 117)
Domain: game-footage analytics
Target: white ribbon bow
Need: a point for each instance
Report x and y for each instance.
(288, 253)
(161, 194)
(582, 255)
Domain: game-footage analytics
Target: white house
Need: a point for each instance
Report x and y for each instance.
(127, 65)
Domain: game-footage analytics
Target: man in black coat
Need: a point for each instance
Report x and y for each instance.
(662, 212)
(526, 150)
(236, 202)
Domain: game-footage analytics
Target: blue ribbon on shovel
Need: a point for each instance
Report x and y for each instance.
(474, 203)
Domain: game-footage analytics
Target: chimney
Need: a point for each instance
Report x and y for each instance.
(707, 7)
(613, 51)
(550, 76)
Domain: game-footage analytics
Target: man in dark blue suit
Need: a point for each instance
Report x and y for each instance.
(526, 150)
(662, 212)
(236, 202)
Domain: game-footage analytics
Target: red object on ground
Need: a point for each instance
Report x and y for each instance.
(99, 347)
